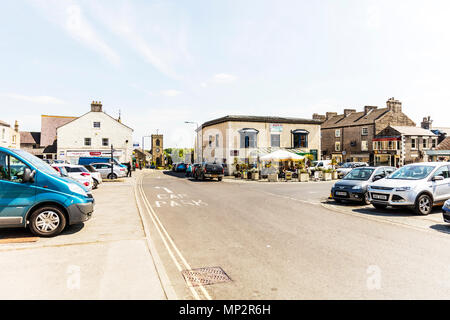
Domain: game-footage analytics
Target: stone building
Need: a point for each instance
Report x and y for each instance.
(31, 143)
(243, 139)
(92, 135)
(9, 137)
(348, 136)
(442, 151)
(400, 145)
(157, 150)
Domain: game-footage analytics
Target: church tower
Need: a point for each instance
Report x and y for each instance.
(157, 150)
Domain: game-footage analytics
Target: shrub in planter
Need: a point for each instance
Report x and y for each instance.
(326, 175)
(303, 176)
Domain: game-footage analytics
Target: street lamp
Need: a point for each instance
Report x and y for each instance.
(201, 140)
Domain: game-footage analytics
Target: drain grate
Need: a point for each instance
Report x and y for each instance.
(205, 276)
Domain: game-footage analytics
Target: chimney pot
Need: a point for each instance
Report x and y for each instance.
(96, 106)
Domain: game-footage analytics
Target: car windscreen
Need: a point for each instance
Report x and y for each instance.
(415, 172)
(362, 174)
(90, 168)
(347, 165)
(36, 162)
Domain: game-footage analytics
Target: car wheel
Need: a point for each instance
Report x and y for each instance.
(424, 204)
(338, 200)
(112, 176)
(219, 178)
(95, 184)
(48, 221)
(365, 199)
(379, 206)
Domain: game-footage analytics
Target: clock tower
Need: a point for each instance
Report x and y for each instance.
(157, 150)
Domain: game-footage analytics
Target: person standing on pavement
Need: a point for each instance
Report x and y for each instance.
(129, 169)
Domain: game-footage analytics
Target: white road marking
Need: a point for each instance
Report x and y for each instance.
(168, 240)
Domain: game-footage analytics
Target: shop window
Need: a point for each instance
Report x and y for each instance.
(300, 138)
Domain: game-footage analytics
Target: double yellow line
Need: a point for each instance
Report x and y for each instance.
(178, 259)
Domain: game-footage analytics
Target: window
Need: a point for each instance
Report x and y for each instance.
(217, 140)
(364, 131)
(11, 169)
(97, 124)
(337, 146)
(158, 142)
(433, 143)
(337, 133)
(300, 138)
(87, 141)
(414, 143)
(210, 141)
(364, 145)
(425, 143)
(14, 139)
(443, 171)
(3, 133)
(105, 142)
(275, 140)
(248, 138)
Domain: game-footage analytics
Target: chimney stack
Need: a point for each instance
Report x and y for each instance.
(16, 126)
(320, 117)
(394, 105)
(96, 106)
(367, 109)
(348, 111)
(330, 115)
(427, 123)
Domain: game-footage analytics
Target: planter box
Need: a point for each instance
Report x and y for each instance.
(273, 177)
(303, 177)
(255, 176)
(326, 176)
(244, 175)
(288, 175)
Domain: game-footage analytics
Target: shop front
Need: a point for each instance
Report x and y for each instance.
(72, 156)
(387, 158)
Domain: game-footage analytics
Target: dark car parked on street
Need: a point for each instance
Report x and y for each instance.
(180, 167)
(353, 187)
(209, 171)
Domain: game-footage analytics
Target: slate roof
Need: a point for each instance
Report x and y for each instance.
(49, 125)
(30, 137)
(413, 131)
(265, 119)
(444, 145)
(354, 119)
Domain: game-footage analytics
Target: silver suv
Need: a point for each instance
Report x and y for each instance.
(419, 186)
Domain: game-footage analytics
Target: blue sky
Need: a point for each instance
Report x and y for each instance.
(165, 62)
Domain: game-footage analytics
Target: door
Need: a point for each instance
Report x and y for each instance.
(442, 188)
(16, 197)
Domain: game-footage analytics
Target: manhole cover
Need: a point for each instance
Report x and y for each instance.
(205, 276)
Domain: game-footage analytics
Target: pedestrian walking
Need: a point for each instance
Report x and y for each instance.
(129, 169)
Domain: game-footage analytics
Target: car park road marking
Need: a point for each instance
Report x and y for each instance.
(170, 245)
(167, 190)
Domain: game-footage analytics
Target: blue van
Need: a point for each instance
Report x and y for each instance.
(82, 161)
(34, 195)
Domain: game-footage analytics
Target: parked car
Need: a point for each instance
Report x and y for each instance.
(195, 166)
(89, 160)
(96, 176)
(349, 166)
(180, 167)
(105, 171)
(78, 173)
(174, 166)
(418, 186)
(62, 170)
(446, 211)
(209, 171)
(322, 164)
(34, 195)
(353, 187)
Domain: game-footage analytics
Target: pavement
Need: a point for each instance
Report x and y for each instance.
(288, 241)
(107, 257)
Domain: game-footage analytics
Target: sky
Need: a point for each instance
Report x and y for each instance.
(162, 63)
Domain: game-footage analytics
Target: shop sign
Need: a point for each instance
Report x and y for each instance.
(276, 128)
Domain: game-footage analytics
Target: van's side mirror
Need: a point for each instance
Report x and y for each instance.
(28, 175)
(437, 178)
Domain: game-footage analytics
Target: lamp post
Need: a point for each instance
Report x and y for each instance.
(201, 141)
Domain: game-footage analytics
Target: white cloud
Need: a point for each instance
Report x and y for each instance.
(70, 17)
(170, 93)
(224, 78)
(33, 99)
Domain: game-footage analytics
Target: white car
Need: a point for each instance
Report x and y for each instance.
(79, 174)
(105, 170)
(96, 176)
(349, 166)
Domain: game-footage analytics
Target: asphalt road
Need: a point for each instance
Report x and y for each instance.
(286, 241)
